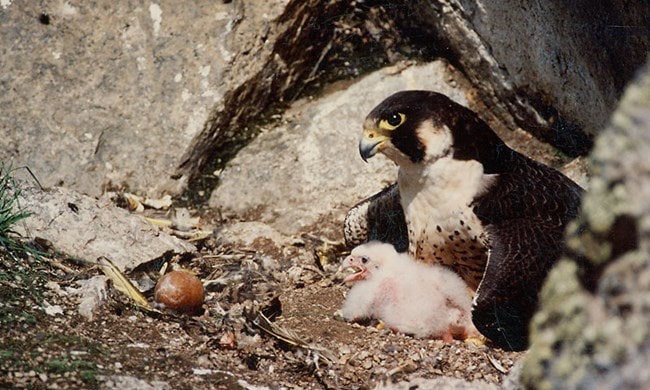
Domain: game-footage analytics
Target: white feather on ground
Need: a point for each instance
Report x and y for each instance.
(408, 296)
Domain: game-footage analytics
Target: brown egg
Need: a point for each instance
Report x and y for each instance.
(180, 291)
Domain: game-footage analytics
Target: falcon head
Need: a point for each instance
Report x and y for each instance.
(367, 259)
(417, 126)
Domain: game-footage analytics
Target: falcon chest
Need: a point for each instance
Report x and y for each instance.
(442, 227)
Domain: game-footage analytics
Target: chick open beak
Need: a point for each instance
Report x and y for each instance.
(359, 272)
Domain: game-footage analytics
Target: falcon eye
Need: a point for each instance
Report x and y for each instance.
(393, 121)
(364, 259)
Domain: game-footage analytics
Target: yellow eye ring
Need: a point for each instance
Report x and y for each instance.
(393, 121)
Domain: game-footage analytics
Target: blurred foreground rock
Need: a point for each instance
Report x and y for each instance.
(593, 329)
(84, 228)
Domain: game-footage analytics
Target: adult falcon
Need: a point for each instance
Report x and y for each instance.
(464, 199)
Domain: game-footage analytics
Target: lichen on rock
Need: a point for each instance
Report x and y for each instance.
(593, 327)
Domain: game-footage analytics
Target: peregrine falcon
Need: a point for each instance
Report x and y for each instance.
(464, 199)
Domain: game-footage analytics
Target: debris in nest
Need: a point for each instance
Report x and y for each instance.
(408, 367)
(326, 252)
(184, 226)
(291, 338)
(91, 293)
(122, 283)
(273, 309)
(137, 204)
(181, 224)
(163, 223)
(192, 236)
(133, 202)
(183, 220)
(228, 340)
(496, 364)
(52, 310)
(159, 204)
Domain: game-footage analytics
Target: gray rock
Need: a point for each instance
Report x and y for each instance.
(91, 294)
(106, 94)
(272, 64)
(84, 228)
(248, 234)
(593, 327)
(552, 68)
(441, 383)
(309, 167)
(130, 383)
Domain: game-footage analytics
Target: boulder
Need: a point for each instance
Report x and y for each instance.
(593, 327)
(554, 69)
(294, 175)
(83, 228)
(113, 94)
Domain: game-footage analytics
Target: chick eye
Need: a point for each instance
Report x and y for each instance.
(392, 121)
(364, 259)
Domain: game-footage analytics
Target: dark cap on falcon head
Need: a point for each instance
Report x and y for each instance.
(420, 125)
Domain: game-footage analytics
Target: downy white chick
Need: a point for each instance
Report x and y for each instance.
(408, 296)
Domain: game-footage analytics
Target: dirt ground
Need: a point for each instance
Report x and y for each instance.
(46, 343)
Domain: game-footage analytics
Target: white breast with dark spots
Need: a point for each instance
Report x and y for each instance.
(442, 227)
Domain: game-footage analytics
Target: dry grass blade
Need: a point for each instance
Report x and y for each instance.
(289, 337)
(496, 364)
(159, 221)
(122, 284)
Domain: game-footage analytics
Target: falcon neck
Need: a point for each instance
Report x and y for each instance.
(475, 140)
(446, 182)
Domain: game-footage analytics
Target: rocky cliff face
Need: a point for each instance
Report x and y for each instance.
(128, 95)
(109, 95)
(148, 95)
(553, 68)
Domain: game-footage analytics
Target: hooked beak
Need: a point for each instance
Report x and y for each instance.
(372, 141)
